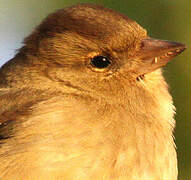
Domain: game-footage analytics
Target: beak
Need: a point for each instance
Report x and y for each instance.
(155, 53)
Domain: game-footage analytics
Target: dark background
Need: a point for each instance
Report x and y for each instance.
(163, 19)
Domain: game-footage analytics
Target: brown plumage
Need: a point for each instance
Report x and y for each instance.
(85, 99)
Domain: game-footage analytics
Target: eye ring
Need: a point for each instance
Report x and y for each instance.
(100, 62)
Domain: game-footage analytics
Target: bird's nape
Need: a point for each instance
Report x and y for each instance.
(85, 98)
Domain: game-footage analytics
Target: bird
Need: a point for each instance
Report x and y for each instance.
(85, 99)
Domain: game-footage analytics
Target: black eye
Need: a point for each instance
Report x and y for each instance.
(100, 61)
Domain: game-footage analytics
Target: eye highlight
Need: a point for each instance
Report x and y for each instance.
(100, 62)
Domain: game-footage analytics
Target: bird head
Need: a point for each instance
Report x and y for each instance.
(99, 51)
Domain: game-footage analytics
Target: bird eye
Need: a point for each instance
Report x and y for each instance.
(100, 62)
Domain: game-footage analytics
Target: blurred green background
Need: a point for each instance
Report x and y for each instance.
(164, 19)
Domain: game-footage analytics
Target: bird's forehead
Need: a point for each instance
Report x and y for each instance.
(94, 22)
(99, 22)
